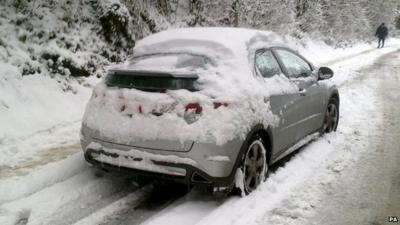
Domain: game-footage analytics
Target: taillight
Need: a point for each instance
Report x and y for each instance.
(124, 107)
(219, 104)
(192, 112)
(195, 107)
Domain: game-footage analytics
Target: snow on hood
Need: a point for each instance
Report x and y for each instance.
(230, 78)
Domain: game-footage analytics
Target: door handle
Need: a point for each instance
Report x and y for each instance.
(303, 91)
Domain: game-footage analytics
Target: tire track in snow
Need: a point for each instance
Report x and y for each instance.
(73, 199)
(358, 54)
(161, 197)
(360, 76)
(335, 61)
(112, 210)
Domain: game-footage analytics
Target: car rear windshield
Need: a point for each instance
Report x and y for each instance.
(152, 83)
(165, 78)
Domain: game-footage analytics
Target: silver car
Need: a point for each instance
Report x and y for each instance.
(207, 106)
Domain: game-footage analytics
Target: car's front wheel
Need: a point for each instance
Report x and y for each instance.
(254, 165)
(331, 118)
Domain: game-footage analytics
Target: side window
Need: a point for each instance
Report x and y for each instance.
(267, 64)
(294, 64)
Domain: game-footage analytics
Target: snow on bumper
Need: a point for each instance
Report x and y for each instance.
(212, 160)
(136, 159)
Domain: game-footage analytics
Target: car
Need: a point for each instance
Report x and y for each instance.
(207, 106)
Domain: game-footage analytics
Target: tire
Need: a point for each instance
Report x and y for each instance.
(254, 166)
(331, 117)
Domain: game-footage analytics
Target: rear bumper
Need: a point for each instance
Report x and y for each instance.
(205, 163)
(193, 176)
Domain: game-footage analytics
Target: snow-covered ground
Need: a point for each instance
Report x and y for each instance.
(44, 179)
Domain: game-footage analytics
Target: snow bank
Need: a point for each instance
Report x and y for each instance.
(33, 107)
(35, 103)
(44, 47)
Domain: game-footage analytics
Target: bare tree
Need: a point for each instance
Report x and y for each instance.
(236, 12)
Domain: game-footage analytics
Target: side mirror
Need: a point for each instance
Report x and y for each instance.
(324, 73)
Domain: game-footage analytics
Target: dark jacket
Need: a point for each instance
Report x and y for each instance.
(381, 32)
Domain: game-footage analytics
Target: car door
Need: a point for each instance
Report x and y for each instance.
(283, 103)
(311, 100)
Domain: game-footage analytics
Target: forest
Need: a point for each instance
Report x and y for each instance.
(76, 38)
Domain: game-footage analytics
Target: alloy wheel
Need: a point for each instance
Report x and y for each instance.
(331, 118)
(255, 166)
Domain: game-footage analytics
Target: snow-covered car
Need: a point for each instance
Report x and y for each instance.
(209, 106)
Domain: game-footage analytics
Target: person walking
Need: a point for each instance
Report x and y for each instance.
(382, 32)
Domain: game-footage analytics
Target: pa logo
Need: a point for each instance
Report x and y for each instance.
(393, 219)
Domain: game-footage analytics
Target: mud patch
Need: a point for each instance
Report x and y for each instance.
(39, 159)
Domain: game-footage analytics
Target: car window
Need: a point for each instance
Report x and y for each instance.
(267, 64)
(150, 83)
(294, 64)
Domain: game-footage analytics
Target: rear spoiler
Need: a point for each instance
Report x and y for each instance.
(149, 73)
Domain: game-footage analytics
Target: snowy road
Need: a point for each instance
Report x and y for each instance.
(351, 177)
(368, 191)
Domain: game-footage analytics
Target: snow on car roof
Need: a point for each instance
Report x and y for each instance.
(214, 42)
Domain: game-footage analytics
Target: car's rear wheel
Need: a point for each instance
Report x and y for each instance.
(331, 118)
(254, 166)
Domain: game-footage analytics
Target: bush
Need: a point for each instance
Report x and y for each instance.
(64, 66)
(114, 21)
